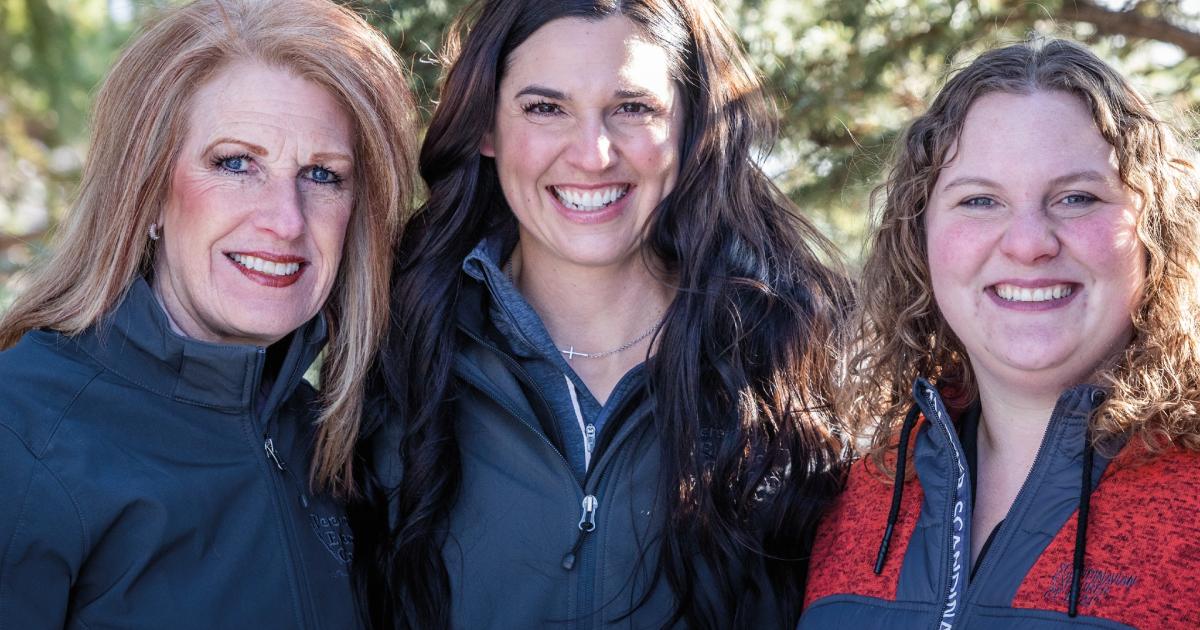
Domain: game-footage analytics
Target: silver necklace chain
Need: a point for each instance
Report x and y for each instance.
(571, 352)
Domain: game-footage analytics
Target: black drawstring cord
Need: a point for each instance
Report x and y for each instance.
(898, 489)
(1085, 503)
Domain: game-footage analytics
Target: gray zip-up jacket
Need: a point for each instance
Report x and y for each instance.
(1089, 542)
(529, 544)
(152, 481)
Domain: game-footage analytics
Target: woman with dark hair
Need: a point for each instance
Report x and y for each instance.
(250, 167)
(604, 395)
(1035, 271)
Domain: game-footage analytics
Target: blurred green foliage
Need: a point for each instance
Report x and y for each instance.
(847, 75)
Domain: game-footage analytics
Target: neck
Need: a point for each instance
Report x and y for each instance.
(1014, 419)
(1011, 428)
(594, 310)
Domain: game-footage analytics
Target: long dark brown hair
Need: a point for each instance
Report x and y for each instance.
(746, 352)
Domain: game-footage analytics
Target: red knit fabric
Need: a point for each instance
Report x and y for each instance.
(847, 541)
(1142, 564)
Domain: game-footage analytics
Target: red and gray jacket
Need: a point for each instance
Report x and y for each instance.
(1118, 547)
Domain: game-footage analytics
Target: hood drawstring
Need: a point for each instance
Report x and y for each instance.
(910, 420)
(1085, 503)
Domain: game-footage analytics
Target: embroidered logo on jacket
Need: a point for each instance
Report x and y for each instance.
(334, 532)
(1097, 585)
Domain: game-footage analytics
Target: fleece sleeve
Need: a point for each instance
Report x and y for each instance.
(41, 540)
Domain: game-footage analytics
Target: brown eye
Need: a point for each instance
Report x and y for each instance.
(634, 108)
(542, 108)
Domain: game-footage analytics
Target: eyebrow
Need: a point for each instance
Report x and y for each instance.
(254, 148)
(1079, 176)
(329, 157)
(1062, 180)
(545, 92)
(326, 156)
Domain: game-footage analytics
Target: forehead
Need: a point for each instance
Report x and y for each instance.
(1030, 133)
(253, 97)
(577, 53)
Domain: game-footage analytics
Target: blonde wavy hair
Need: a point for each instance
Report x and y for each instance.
(139, 123)
(1154, 386)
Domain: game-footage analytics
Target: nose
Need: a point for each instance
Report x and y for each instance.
(592, 147)
(281, 210)
(1030, 236)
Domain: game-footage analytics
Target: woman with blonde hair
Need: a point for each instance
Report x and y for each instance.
(1035, 272)
(156, 434)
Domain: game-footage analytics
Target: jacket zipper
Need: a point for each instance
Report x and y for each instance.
(953, 578)
(589, 503)
(1022, 494)
(291, 544)
(269, 447)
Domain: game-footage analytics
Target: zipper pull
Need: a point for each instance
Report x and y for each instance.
(587, 523)
(589, 438)
(269, 447)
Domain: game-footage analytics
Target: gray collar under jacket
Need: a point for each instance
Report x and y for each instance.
(154, 481)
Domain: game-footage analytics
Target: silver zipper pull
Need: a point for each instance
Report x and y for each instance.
(587, 522)
(589, 438)
(269, 447)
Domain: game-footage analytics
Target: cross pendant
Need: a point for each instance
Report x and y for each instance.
(571, 354)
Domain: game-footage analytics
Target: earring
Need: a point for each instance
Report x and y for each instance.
(154, 231)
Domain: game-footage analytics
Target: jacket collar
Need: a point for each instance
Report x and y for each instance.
(136, 342)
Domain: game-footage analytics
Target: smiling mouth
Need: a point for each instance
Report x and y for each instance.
(1013, 293)
(278, 269)
(589, 200)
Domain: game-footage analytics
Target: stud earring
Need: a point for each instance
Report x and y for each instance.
(154, 231)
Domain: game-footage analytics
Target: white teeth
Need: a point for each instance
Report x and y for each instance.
(1013, 293)
(265, 266)
(589, 201)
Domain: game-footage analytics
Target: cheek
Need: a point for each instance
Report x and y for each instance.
(951, 246)
(195, 217)
(328, 229)
(523, 157)
(1110, 249)
(654, 149)
(956, 250)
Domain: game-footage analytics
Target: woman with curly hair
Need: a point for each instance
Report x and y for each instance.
(605, 384)
(1035, 271)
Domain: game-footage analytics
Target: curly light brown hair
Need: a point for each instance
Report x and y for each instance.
(1154, 385)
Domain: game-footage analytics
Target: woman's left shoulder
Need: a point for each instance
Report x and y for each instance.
(1156, 487)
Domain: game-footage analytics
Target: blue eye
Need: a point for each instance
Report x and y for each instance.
(322, 175)
(233, 163)
(978, 202)
(1078, 199)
